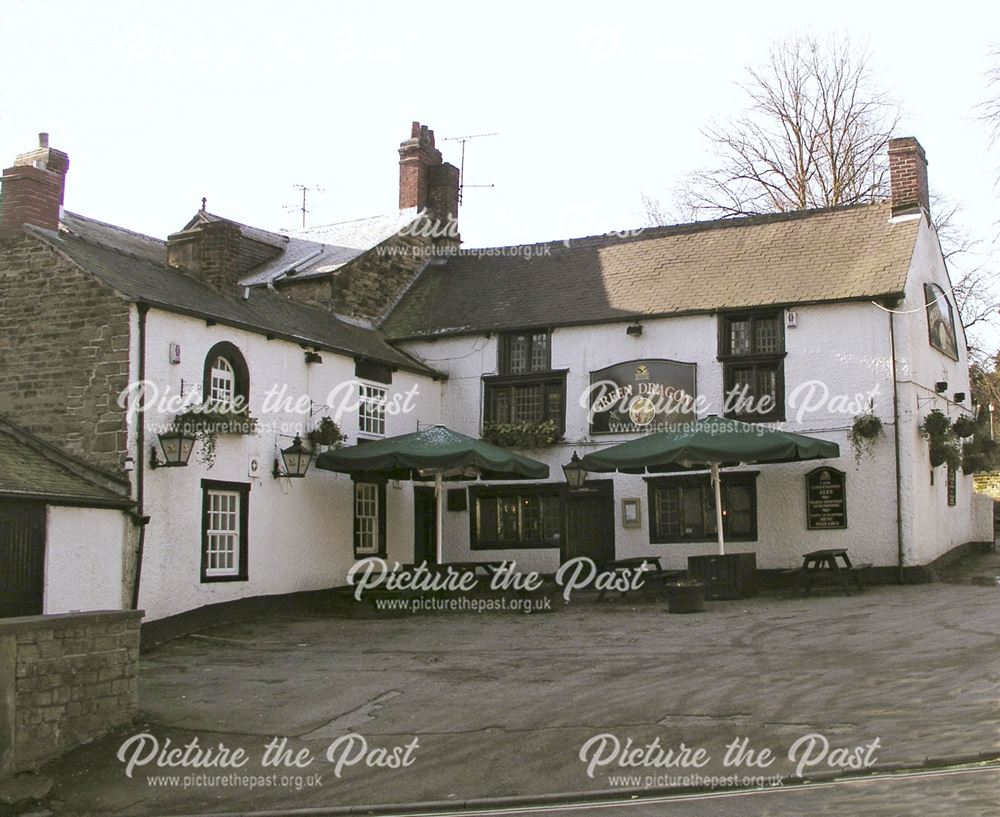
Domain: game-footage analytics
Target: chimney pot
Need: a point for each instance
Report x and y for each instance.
(43, 140)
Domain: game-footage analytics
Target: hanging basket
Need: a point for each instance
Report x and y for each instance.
(964, 427)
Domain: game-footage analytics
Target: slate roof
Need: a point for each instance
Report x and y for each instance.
(792, 258)
(318, 250)
(133, 265)
(33, 469)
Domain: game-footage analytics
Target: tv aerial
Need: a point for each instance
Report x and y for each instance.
(302, 208)
(461, 169)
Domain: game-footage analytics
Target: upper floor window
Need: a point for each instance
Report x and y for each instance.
(522, 352)
(226, 378)
(526, 389)
(752, 351)
(371, 409)
(222, 385)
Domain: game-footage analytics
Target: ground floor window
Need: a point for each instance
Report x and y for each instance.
(224, 539)
(682, 508)
(516, 517)
(369, 519)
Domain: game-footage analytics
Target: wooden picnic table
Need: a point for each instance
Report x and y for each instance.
(654, 573)
(829, 562)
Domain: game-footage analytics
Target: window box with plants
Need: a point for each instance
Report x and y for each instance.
(530, 434)
(206, 422)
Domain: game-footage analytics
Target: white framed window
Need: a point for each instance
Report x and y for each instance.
(222, 532)
(371, 410)
(222, 382)
(224, 540)
(367, 535)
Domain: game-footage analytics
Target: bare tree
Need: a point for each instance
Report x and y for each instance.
(989, 108)
(815, 134)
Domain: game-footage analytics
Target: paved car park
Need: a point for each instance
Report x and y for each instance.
(500, 705)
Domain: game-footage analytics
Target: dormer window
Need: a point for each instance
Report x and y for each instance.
(523, 352)
(227, 378)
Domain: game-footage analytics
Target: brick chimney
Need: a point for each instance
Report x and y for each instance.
(209, 252)
(425, 181)
(33, 189)
(908, 177)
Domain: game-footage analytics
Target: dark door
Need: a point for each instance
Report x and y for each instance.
(424, 525)
(590, 524)
(22, 558)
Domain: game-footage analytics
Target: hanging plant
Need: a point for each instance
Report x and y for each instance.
(964, 427)
(945, 452)
(935, 426)
(864, 434)
(979, 453)
(327, 432)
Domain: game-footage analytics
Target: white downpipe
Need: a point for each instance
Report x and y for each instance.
(716, 482)
(439, 522)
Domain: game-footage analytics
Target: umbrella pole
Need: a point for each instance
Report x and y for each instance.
(716, 483)
(439, 521)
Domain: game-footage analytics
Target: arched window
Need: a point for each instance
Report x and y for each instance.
(222, 382)
(227, 378)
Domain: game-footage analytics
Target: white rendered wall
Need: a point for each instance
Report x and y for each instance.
(931, 526)
(300, 531)
(843, 349)
(84, 559)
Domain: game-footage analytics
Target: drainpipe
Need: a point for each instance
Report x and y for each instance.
(140, 459)
(895, 427)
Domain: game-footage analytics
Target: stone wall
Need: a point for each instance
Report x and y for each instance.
(369, 285)
(64, 343)
(64, 680)
(988, 483)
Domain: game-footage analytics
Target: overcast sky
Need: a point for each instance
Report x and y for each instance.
(159, 104)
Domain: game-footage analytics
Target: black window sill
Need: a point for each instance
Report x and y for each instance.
(214, 579)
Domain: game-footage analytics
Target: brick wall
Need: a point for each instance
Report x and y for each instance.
(64, 352)
(64, 680)
(366, 287)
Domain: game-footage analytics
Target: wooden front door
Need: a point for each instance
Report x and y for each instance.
(424, 525)
(590, 524)
(22, 558)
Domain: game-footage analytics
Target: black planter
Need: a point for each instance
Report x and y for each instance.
(732, 576)
(685, 598)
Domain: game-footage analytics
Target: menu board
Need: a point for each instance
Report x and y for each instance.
(826, 499)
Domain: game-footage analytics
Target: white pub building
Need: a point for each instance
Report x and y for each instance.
(826, 319)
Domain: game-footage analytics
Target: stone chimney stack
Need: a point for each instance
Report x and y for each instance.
(33, 189)
(908, 177)
(209, 252)
(425, 181)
